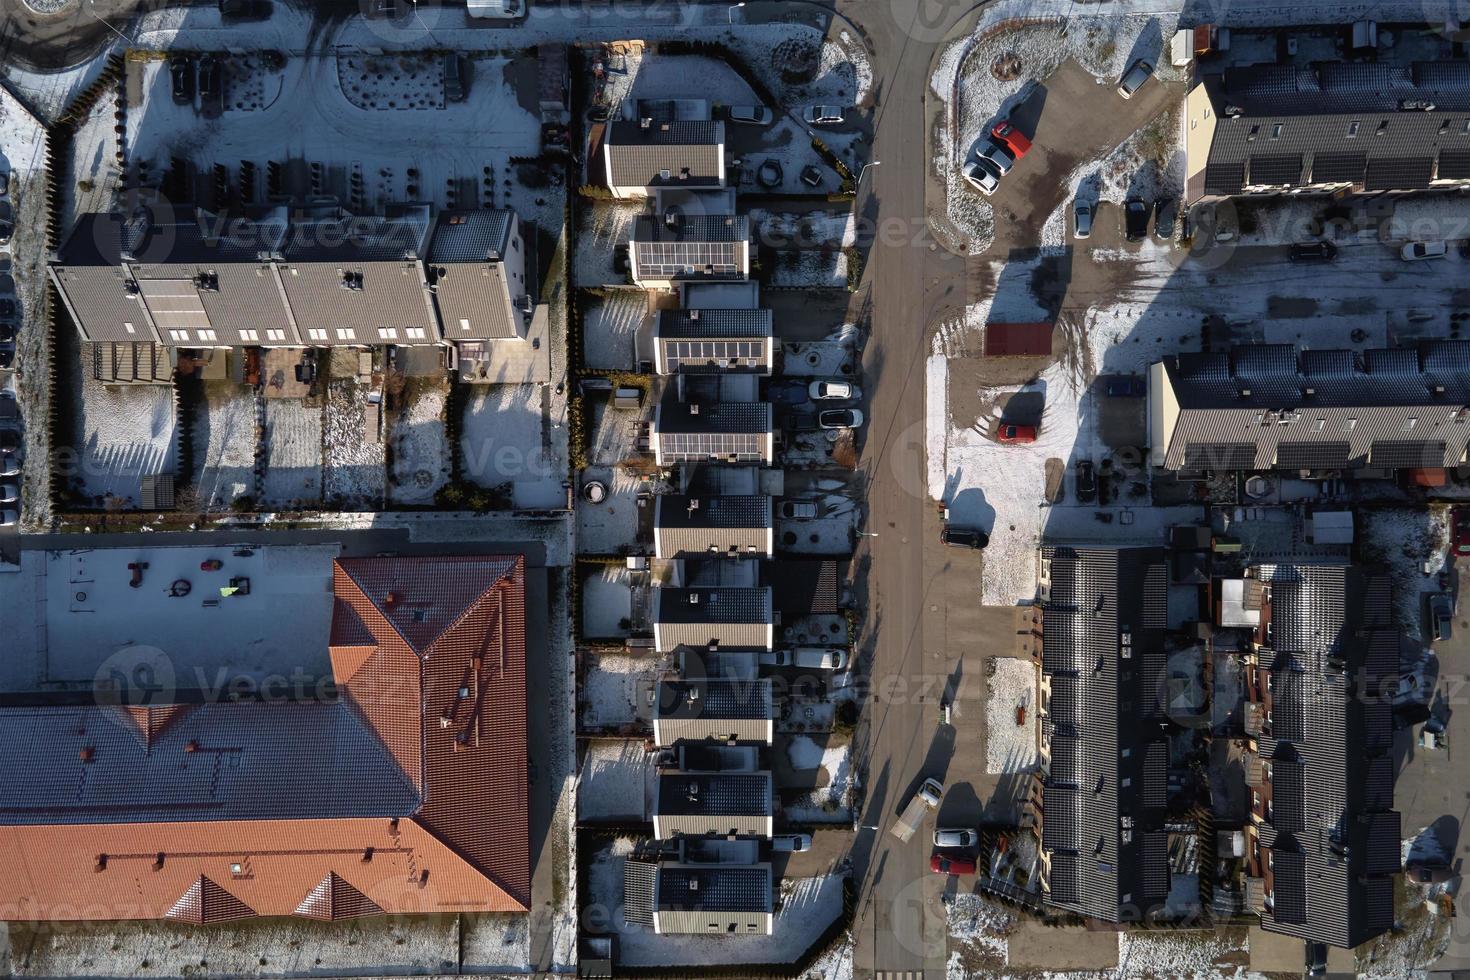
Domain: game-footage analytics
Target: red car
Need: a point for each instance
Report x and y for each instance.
(1460, 529)
(1016, 433)
(944, 864)
(1011, 137)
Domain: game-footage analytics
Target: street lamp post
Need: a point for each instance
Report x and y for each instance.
(864, 170)
(98, 17)
(730, 13)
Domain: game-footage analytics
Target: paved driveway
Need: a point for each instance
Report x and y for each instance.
(1070, 118)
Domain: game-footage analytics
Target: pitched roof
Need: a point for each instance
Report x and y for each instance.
(713, 605)
(717, 888)
(417, 775)
(697, 524)
(701, 793)
(690, 151)
(471, 236)
(715, 698)
(693, 324)
(1102, 650)
(717, 228)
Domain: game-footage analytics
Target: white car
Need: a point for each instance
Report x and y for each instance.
(833, 390)
(1416, 251)
(792, 842)
(756, 115)
(798, 510)
(819, 658)
(823, 115)
(1000, 161)
(8, 518)
(981, 177)
(840, 418)
(960, 837)
(9, 492)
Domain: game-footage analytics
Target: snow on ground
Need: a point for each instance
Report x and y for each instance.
(841, 73)
(976, 920)
(610, 326)
(830, 803)
(1010, 747)
(495, 943)
(420, 450)
(293, 448)
(784, 229)
(1178, 955)
(504, 438)
(809, 906)
(602, 227)
(836, 964)
(224, 445)
(609, 527)
(1406, 541)
(607, 602)
(830, 533)
(616, 782)
(354, 467)
(818, 268)
(616, 689)
(824, 358)
(124, 433)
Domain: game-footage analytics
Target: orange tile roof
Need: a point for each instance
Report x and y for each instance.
(430, 656)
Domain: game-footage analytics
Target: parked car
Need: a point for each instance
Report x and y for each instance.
(9, 492)
(823, 115)
(456, 78)
(775, 658)
(1138, 73)
(1081, 219)
(1441, 612)
(786, 843)
(181, 74)
(1312, 252)
(7, 354)
(788, 393)
(981, 177)
(8, 518)
(7, 309)
(1135, 219)
(1000, 161)
(840, 418)
(1125, 386)
(955, 837)
(798, 510)
(833, 391)
(964, 537)
(755, 115)
(4, 182)
(6, 230)
(9, 464)
(1460, 529)
(1013, 138)
(1015, 434)
(819, 658)
(7, 333)
(1086, 482)
(946, 864)
(9, 440)
(1417, 251)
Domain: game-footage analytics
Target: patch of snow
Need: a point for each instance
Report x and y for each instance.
(420, 450)
(125, 432)
(1177, 954)
(817, 268)
(602, 227)
(1414, 546)
(1011, 746)
(354, 467)
(224, 446)
(616, 782)
(976, 920)
(610, 326)
(503, 439)
(616, 689)
(293, 445)
(830, 803)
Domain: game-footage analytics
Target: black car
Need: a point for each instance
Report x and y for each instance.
(7, 333)
(1126, 386)
(1312, 252)
(1135, 219)
(964, 537)
(9, 440)
(7, 309)
(210, 91)
(1086, 482)
(181, 71)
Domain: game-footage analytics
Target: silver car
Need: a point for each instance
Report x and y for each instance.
(823, 115)
(755, 115)
(981, 177)
(1081, 219)
(997, 157)
(1138, 73)
(956, 837)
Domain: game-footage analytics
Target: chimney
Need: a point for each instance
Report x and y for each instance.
(693, 314)
(191, 746)
(101, 864)
(694, 598)
(158, 862)
(391, 599)
(87, 753)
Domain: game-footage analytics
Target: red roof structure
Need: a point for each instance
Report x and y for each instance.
(1018, 339)
(406, 795)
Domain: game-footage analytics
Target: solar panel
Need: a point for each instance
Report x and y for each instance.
(1399, 173)
(1202, 456)
(1264, 360)
(716, 889)
(1312, 455)
(1339, 168)
(1406, 453)
(1450, 357)
(1288, 798)
(1276, 169)
(1391, 361)
(1454, 165)
(1328, 363)
(1224, 178)
(1289, 874)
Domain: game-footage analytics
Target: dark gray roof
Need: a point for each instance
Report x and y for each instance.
(1102, 649)
(130, 778)
(346, 238)
(1363, 123)
(471, 236)
(1332, 833)
(714, 889)
(701, 793)
(1270, 405)
(697, 324)
(722, 228)
(675, 510)
(714, 605)
(715, 698)
(690, 151)
(718, 417)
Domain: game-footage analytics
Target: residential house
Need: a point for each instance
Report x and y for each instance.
(667, 250)
(405, 795)
(699, 899)
(477, 267)
(646, 154)
(719, 709)
(1272, 407)
(1322, 846)
(712, 341)
(705, 617)
(729, 432)
(1330, 127)
(737, 804)
(692, 525)
(1104, 752)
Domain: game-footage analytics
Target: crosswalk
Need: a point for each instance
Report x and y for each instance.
(899, 975)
